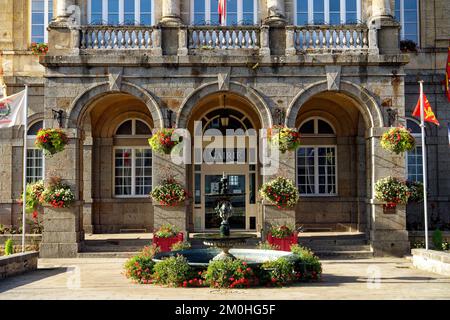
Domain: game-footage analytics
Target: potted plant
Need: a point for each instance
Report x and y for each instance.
(286, 138)
(408, 46)
(280, 192)
(398, 139)
(162, 142)
(166, 236)
(416, 191)
(51, 140)
(39, 49)
(57, 194)
(393, 191)
(169, 193)
(282, 237)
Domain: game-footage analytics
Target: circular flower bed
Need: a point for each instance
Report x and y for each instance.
(51, 140)
(57, 194)
(286, 138)
(169, 193)
(163, 140)
(392, 190)
(416, 191)
(398, 140)
(228, 273)
(280, 192)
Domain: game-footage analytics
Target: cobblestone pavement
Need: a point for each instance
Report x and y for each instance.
(379, 278)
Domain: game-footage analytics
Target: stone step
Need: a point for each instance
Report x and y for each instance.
(360, 247)
(332, 254)
(109, 248)
(106, 254)
(118, 243)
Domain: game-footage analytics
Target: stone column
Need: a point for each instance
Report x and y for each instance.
(163, 166)
(62, 6)
(271, 213)
(276, 13)
(381, 8)
(290, 43)
(62, 226)
(171, 12)
(384, 31)
(388, 235)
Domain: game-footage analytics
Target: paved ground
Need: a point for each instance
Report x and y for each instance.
(386, 278)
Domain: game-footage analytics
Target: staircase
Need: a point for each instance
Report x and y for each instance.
(114, 245)
(345, 245)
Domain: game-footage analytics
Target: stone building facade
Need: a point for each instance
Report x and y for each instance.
(343, 84)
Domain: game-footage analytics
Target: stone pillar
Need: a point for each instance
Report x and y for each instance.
(64, 33)
(62, 234)
(384, 31)
(276, 14)
(381, 8)
(183, 41)
(264, 50)
(64, 9)
(162, 167)
(388, 235)
(171, 12)
(271, 213)
(290, 44)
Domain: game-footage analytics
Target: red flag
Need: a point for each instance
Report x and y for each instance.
(447, 76)
(222, 10)
(427, 111)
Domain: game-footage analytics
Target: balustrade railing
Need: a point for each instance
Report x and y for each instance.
(120, 37)
(330, 38)
(219, 37)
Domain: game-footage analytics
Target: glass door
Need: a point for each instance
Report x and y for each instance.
(236, 185)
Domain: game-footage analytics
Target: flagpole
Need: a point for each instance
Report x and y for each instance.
(24, 205)
(424, 163)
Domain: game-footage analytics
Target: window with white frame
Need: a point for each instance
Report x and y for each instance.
(117, 12)
(239, 12)
(35, 157)
(407, 13)
(316, 164)
(414, 168)
(332, 12)
(132, 165)
(41, 15)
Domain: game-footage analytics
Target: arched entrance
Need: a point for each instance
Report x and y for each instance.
(228, 123)
(117, 164)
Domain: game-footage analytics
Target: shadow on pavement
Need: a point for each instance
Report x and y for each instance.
(29, 277)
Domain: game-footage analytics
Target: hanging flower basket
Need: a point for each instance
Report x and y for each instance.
(393, 191)
(282, 237)
(57, 194)
(163, 140)
(166, 236)
(288, 139)
(280, 192)
(416, 191)
(39, 49)
(398, 140)
(51, 140)
(169, 193)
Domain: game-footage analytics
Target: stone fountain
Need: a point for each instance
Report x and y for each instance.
(221, 244)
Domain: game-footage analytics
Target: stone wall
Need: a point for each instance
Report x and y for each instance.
(18, 263)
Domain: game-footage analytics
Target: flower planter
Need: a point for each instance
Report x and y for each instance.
(284, 244)
(165, 244)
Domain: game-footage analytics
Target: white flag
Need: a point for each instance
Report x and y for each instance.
(12, 111)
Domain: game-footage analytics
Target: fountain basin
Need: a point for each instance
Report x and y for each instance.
(200, 258)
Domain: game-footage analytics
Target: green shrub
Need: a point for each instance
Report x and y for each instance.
(180, 245)
(308, 264)
(9, 247)
(230, 273)
(173, 271)
(140, 269)
(437, 239)
(278, 272)
(267, 246)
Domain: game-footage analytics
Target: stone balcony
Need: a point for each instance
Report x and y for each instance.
(227, 40)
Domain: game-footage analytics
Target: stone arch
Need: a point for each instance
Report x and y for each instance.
(366, 103)
(237, 88)
(82, 102)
